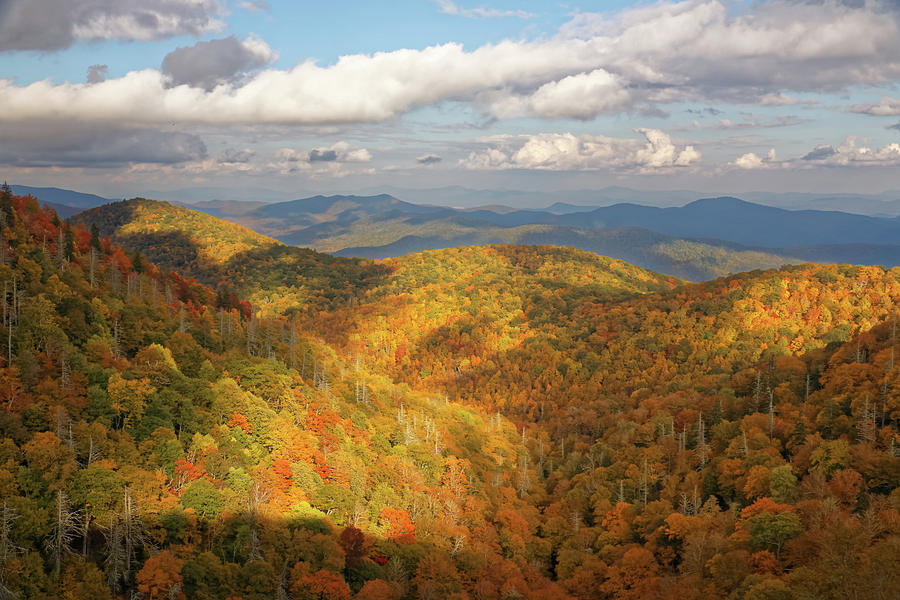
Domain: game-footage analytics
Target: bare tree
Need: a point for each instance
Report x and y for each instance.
(8, 548)
(63, 531)
(125, 535)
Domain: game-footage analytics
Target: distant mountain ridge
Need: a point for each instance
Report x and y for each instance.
(743, 222)
(59, 196)
(705, 238)
(725, 234)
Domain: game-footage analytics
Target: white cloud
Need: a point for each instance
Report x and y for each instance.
(581, 96)
(340, 152)
(568, 152)
(887, 107)
(848, 154)
(698, 50)
(359, 88)
(212, 63)
(448, 7)
(57, 24)
(640, 60)
(751, 161)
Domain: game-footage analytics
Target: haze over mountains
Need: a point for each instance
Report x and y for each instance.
(701, 239)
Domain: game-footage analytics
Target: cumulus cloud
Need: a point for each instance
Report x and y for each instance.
(448, 7)
(340, 152)
(848, 154)
(208, 64)
(429, 159)
(752, 161)
(568, 152)
(638, 60)
(698, 49)
(581, 96)
(39, 146)
(358, 88)
(887, 107)
(57, 24)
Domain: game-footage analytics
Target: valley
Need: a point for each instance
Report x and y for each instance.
(492, 421)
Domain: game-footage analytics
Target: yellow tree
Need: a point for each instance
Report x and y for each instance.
(128, 397)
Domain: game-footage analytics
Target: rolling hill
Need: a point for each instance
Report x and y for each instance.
(217, 239)
(686, 259)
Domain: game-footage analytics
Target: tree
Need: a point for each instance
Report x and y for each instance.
(378, 589)
(95, 237)
(783, 484)
(83, 581)
(322, 585)
(203, 498)
(635, 576)
(353, 541)
(398, 525)
(160, 577)
(6, 205)
(64, 530)
(770, 525)
(436, 578)
(8, 547)
(128, 398)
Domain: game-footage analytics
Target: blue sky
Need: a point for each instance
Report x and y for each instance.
(122, 96)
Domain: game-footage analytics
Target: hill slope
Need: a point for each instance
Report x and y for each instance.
(271, 275)
(160, 438)
(694, 260)
(217, 240)
(646, 438)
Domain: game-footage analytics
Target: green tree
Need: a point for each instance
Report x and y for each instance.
(203, 498)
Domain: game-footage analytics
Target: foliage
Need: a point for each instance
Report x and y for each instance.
(499, 422)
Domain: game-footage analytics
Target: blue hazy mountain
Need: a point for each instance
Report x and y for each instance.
(61, 197)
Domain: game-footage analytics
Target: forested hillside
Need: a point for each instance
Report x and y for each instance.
(279, 278)
(485, 423)
(161, 440)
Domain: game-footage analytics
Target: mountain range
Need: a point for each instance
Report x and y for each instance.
(702, 239)
(705, 238)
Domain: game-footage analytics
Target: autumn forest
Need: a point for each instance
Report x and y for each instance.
(192, 410)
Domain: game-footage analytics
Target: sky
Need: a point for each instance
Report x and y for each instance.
(121, 96)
